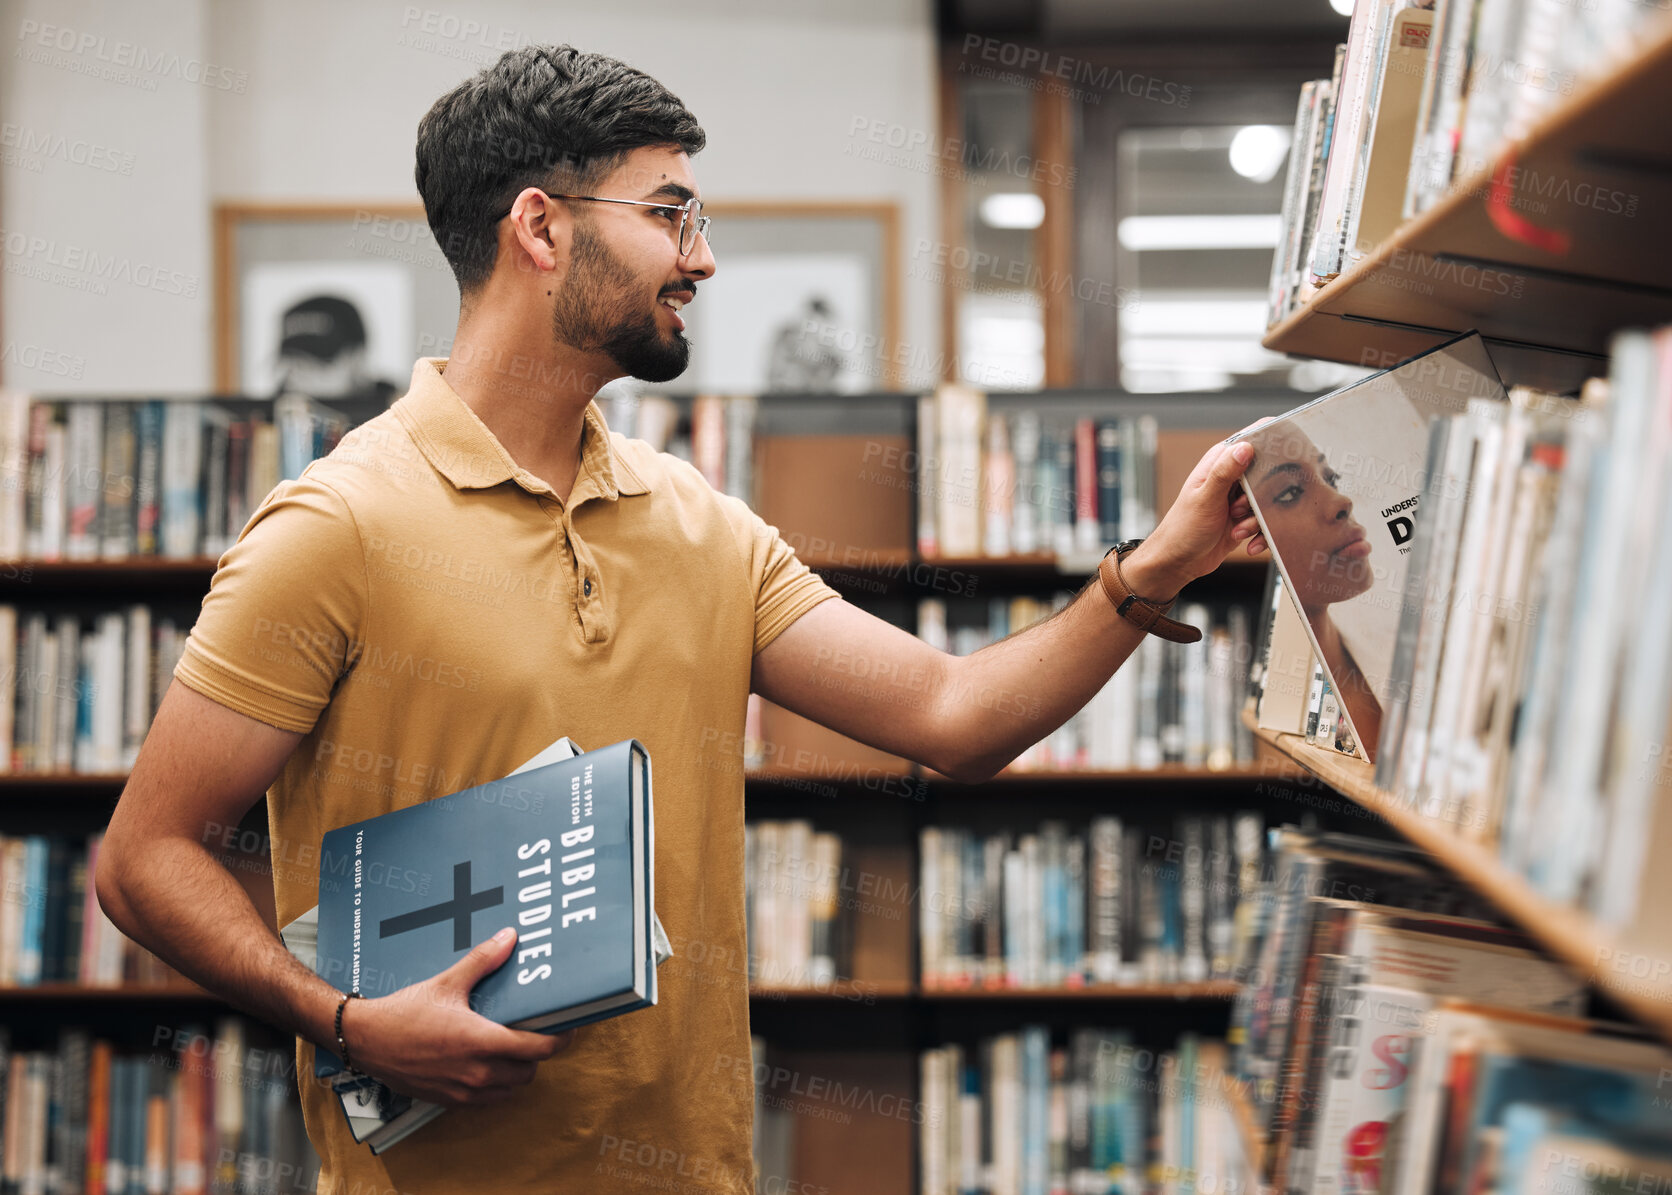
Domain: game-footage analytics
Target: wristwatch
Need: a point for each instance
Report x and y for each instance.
(1146, 614)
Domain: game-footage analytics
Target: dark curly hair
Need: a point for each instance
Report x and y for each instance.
(542, 116)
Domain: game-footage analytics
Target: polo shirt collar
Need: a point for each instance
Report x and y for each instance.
(467, 454)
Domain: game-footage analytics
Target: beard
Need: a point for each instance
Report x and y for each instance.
(595, 314)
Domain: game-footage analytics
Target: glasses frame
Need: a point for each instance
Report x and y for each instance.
(690, 215)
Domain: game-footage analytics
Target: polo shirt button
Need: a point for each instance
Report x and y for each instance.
(586, 587)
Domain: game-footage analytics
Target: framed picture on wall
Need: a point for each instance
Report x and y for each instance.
(805, 298)
(331, 300)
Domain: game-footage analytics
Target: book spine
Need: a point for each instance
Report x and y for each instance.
(34, 497)
(148, 454)
(1085, 486)
(54, 494)
(117, 523)
(998, 474)
(182, 480)
(215, 450)
(708, 439)
(1108, 481)
(85, 444)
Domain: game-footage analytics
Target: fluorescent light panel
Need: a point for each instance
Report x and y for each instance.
(1141, 233)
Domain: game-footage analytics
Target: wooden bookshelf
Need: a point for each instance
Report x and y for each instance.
(1547, 309)
(844, 990)
(1567, 933)
(1212, 990)
(88, 993)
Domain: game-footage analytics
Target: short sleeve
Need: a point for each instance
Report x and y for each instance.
(785, 588)
(281, 623)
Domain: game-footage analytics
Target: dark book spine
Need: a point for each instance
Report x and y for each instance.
(75, 1055)
(237, 477)
(148, 441)
(74, 917)
(1108, 481)
(215, 445)
(56, 912)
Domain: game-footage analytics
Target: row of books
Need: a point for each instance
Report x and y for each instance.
(190, 1115)
(52, 929)
(94, 479)
(1120, 903)
(1424, 94)
(718, 436)
(997, 484)
(1393, 1040)
(1535, 694)
(1495, 67)
(1171, 703)
(1103, 1116)
(84, 687)
(796, 891)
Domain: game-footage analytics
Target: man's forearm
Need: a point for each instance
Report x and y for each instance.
(1006, 697)
(182, 905)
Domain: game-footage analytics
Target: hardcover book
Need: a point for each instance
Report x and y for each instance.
(563, 847)
(1336, 485)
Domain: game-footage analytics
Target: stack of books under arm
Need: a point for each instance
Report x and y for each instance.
(1119, 904)
(798, 901)
(1017, 1116)
(190, 1115)
(1535, 634)
(1170, 703)
(1395, 1041)
(996, 484)
(52, 929)
(110, 480)
(85, 688)
(1424, 94)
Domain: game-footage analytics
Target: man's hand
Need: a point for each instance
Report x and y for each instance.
(426, 1042)
(1210, 517)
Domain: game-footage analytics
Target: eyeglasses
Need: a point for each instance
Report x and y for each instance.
(691, 220)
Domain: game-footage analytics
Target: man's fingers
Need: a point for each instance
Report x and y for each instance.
(1256, 545)
(531, 1047)
(1231, 464)
(1244, 529)
(1240, 508)
(480, 960)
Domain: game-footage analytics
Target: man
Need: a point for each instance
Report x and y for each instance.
(483, 568)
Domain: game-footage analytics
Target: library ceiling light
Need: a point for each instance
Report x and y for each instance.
(1139, 233)
(1344, 7)
(1258, 150)
(1013, 209)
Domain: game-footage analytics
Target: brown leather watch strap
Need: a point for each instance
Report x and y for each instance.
(1147, 615)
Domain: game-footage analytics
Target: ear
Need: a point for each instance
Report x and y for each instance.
(539, 232)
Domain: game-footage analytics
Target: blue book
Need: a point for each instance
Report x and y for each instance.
(563, 852)
(34, 911)
(1036, 1103)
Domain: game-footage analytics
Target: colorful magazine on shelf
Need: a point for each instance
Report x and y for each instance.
(1336, 485)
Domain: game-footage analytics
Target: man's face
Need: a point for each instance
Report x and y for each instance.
(626, 275)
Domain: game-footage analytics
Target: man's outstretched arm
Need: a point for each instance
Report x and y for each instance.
(969, 716)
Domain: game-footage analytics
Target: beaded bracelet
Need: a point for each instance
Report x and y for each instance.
(342, 1046)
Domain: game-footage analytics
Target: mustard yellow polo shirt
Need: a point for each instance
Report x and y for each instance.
(430, 615)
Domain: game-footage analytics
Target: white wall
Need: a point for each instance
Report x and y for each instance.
(104, 198)
(332, 92)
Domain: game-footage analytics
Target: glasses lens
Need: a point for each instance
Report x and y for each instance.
(690, 224)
